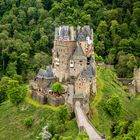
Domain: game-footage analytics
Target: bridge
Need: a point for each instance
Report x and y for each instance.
(84, 124)
(81, 118)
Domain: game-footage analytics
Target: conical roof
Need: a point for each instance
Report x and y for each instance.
(88, 73)
(79, 54)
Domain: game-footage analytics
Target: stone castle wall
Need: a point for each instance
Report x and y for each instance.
(137, 79)
(47, 98)
(82, 87)
(62, 51)
(94, 86)
(55, 101)
(78, 67)
(35, 95)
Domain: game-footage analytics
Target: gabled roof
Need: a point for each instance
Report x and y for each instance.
(48, 73)
(79, 54)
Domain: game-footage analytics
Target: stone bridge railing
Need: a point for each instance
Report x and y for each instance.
(84, 124)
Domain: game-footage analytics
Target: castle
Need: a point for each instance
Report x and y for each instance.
(72, 63)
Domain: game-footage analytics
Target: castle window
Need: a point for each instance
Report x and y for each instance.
(71, 63)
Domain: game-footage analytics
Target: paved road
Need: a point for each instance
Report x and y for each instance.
(83, 122)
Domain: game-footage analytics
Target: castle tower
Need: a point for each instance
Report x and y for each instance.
(137, 79)
(85, 37)
(78, 61)
(66, 52)
(64, 46)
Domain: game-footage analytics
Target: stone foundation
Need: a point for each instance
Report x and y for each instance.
(47, 98)
(37, 96)
(55, 101)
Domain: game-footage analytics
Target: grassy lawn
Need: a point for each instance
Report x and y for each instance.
(107, 86)
(13, 128)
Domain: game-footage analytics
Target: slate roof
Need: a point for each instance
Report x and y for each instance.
(47, 74)
(79, 54)
(88, 73)
(81, 37)
(90, 60)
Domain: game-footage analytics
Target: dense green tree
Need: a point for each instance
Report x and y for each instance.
(120, 128)
(3, 89)
(16, 93)
(11, 69)
(126, 63)
(124, 31)
(26, 28)
(63, 114)
(124, 45)
(41, 60)
(57, 87)
(136, 16)
(135, 130)
(114, 106)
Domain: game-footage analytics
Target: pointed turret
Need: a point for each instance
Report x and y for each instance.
(78, 53)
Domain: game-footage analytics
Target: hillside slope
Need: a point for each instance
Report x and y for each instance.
(107, 86)
(12, 122)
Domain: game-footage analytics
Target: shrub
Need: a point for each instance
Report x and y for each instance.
(57, 87)
(82, 136)
(28, 121)
(16, 95)
(98, 58)
(120, 128)
(63, 114)
(114, 106)
(66, 138)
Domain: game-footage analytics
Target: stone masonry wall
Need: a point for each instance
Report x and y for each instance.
(82, 86)
(78, 67)
(137, 79)
(64, 50)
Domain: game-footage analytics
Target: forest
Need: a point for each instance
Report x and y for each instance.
(27, 32)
